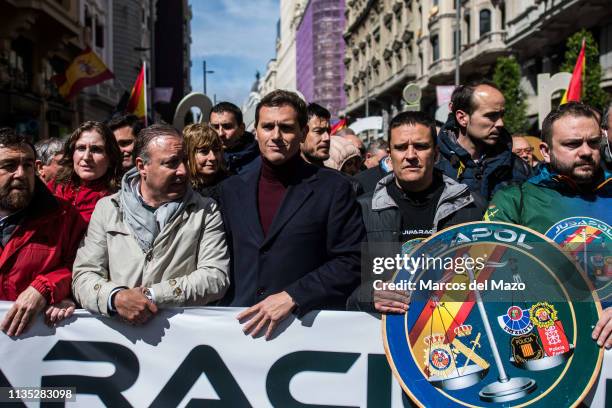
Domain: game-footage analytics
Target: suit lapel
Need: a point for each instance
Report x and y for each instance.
(294, 198)
(250, 205)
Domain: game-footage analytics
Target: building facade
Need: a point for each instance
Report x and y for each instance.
(97, 102)
(391, 43)
(133, 40)
(38, 39)
(320, 53)
(281, 71)
(172, 54)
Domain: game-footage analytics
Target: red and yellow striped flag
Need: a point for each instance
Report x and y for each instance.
(87, 69)
(341, 124)
(574, 90)
(137, 104)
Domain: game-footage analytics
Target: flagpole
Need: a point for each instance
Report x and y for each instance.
(146, 110)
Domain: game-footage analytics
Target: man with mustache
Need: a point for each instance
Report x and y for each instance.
(294, 228)
(475, 147)
(39, 236)
(155, 243)
(571, 183)
(411, 203)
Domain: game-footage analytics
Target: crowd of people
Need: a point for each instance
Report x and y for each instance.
(123, 220)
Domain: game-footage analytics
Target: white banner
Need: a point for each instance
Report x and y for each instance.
(201, 355)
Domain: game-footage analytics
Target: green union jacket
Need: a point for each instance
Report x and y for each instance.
(547, 199)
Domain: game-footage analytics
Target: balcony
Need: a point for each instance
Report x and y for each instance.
(486, 49)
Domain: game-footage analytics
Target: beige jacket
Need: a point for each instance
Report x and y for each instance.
(188, 265)
(340, 151)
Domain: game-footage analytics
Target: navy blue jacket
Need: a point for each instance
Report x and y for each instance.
(242, 157)
(313, 247)
(496, 170)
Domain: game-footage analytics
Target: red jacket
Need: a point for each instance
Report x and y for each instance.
(41, 250)
(84, 197)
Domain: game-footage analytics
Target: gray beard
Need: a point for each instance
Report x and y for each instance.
(13, 202)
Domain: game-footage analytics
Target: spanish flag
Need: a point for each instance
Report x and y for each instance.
(574, 90)
(87, 69)
(137, 104)
(341, 124)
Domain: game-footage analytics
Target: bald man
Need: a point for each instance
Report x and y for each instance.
(475, 148)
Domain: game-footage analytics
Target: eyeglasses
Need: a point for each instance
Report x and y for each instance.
(521, 151)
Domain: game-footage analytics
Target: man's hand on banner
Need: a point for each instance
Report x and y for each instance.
(270, 311)
(603, 329)
(391, 301)
(133, 306)
(59, 311)
(29, 303)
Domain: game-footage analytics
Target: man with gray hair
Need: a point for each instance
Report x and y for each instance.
(378, 163)
(49, 152)
(155, 242)
(377, 150)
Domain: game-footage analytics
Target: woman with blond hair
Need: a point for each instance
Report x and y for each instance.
(90, 168)
(205, 159)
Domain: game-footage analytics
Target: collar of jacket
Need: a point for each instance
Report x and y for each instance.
(451, 149)
(453, 192)
(546, 177)
(43, 202)
(192, 201)
(247, 147)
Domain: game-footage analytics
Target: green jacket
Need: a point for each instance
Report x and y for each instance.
(547, 199)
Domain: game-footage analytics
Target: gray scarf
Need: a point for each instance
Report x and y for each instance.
(145, 224)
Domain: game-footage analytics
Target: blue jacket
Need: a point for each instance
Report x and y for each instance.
(489, 174)
(241, 158)
(312, 249)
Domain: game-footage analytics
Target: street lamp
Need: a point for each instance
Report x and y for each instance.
(204, 72)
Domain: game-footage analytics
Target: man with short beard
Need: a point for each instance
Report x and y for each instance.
(315, 147)
(571, 183)
(475, 147)
(39, 236)
(240, 148)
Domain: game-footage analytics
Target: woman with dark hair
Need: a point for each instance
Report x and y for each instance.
(91, 168)
(204, 159)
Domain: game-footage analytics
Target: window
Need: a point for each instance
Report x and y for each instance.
(435, 48)
(485, 22)
(455, 42)
(468, 29)
(99, 35)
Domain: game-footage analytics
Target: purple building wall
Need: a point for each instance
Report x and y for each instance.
(319, 53)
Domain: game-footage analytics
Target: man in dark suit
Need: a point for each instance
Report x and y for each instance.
(294, 229)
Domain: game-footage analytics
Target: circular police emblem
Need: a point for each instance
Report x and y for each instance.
(499, 316)
(516, 321)
(589, 242)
